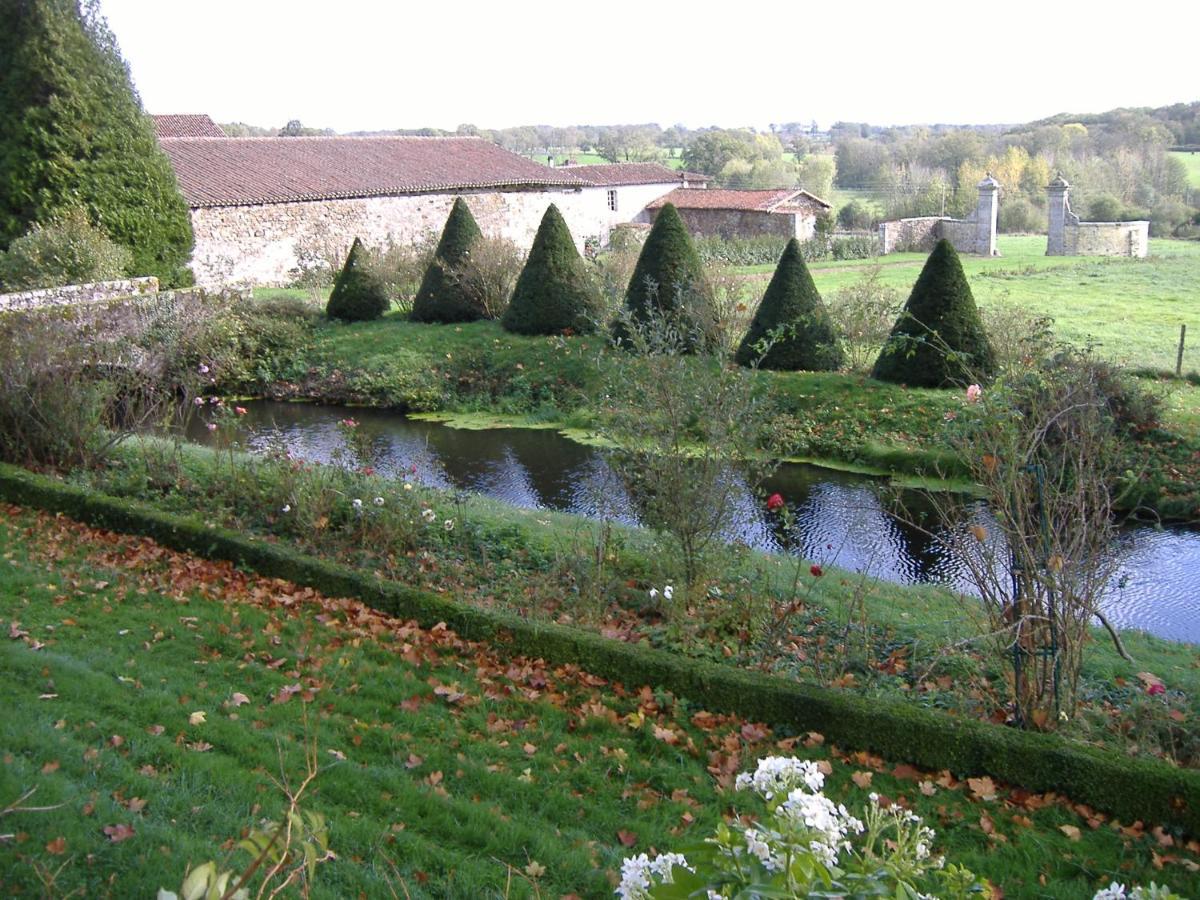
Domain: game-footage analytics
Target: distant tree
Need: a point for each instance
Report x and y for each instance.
(668, 287)
(292, 129)
(442, 297)
(939, 340)
(815, 174)
(712, 152)
(553, 292)
(74, 135)
(791, 322)
(359, 294)
(629, 143)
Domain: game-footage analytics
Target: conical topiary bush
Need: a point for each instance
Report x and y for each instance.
(358, 294)
(553, 293)
(668, 285)
(792, 318)
(939, 340)
(441, 297)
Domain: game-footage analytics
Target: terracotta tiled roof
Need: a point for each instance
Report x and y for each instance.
(615, 174)
(186, 126)
(241, 171)
(777, 200)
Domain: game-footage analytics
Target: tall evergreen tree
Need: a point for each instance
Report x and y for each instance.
(553, 293)
(358, 294)
(74, 134)
(793, 319)
(668, 283)
(939, 340)
(441, 297)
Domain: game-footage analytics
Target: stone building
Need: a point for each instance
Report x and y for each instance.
(782, 212)
(261, 208)
(975, 234)
(1068, 236)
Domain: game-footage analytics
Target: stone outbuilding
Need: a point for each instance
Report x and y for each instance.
(262, 209)
(1068, 236)
(261, 206)
(781, 212)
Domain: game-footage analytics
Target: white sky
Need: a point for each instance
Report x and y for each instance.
(372, 64)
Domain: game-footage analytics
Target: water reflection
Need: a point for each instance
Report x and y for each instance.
(839, 518)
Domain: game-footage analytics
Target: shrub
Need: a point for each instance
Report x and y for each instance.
(855, 247)
(75, 135)
(358, 295)
(939, 340)
(791, 324)
(1105, 208)
(488, 275)
(67, 250)
(441, 298)
(751, 251)
(553, 292)
(668, 283)
(862, 312)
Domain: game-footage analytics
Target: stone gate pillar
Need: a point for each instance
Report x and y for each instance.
(987, 215)
(1060, 214)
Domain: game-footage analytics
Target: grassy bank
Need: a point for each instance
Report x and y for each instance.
(446, 769)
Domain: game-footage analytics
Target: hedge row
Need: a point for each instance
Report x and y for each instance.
(1125, 788)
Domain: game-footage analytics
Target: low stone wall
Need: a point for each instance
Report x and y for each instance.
(1106, 239)
(67, 295)
(909, 235)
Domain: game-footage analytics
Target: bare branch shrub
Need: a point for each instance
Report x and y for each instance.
(864, 312)
(1044, 445)
(489, 274)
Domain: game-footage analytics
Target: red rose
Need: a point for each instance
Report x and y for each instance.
(1156, 688)
(774, 502)
(816, 570)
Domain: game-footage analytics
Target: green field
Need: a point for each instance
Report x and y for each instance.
(1192, 161)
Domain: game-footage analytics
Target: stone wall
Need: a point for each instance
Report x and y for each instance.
(908, 235)
(262, 244)
(975, 234)
(95, 292)
(1068, 236)
(735, 223)
(1106, 239)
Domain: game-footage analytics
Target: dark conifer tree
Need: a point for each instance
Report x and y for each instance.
(939, 340)
(441, 297)
(74, 135)
(668, 284)
(553, 293)
(358, 294)
(792, 321)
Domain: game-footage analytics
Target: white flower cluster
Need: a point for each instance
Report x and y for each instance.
(640, 873)
(831, 822)
(781, 775)
(1117, 891)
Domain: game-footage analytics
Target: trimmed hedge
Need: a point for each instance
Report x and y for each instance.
(1129, 789)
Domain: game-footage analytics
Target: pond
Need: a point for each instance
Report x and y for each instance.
(839, 518)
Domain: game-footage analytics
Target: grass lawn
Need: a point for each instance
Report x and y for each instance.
(1192, 162)
(446, 770)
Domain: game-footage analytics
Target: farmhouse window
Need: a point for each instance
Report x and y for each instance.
(612, 200)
